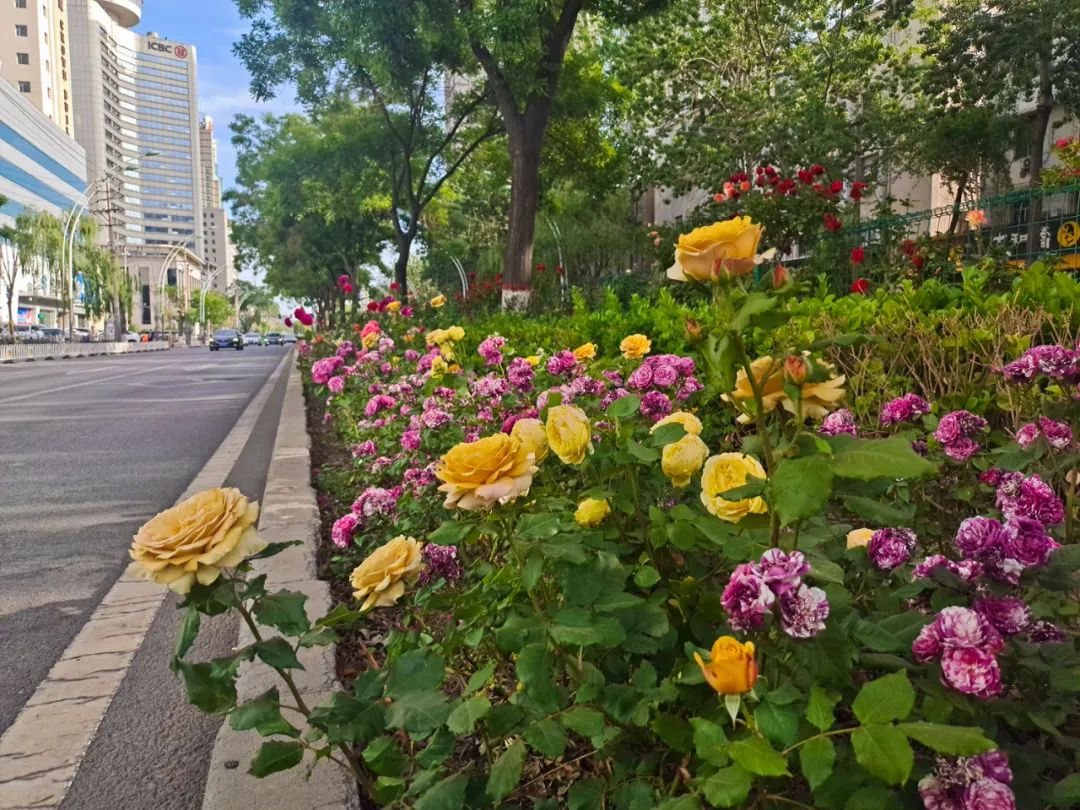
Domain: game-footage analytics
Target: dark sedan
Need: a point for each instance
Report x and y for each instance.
(226, 339)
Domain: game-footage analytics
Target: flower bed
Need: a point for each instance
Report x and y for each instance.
(661, 580)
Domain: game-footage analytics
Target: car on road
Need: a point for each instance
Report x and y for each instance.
(226, 339)
(275, 339)
(288, 338)
(253, 339)
(130, 337)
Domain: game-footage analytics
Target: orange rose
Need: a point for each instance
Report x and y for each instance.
(731, 669)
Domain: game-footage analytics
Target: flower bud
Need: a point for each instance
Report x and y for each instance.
(780, 277)
(795, 369)
(693, 330)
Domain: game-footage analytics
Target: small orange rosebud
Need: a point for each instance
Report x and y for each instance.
(731, 669)
(780, 277)
(795, 369)
(693, 329)
(744, 185)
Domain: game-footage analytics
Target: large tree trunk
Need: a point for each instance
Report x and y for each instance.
(961, 187)
(401, 266)
(524, 200)
(11, 309)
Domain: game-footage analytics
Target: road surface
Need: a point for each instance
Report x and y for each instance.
(89, 450)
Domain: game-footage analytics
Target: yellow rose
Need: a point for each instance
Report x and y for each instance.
(725, 472)
(591, 512)
(635, 346)
(586, 351)
(690, 423)
(370, 339)
(438, 301)
(533, 436)
(721, 249)
(194, 540)
(456, 333)
(569, 433)
(681, 460)
(817, 397)
(533, 360)
(437, 337)
(393, 306)
(380, 579)
(859, 538)
(438, 366)
(732, 669)
(479, 474)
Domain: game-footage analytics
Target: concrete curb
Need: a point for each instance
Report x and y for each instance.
(289, 512)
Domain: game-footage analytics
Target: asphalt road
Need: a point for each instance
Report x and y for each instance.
(90, 449)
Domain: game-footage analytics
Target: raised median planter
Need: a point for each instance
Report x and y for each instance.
(15, 352)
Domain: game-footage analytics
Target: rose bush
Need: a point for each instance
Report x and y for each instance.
(675, 581)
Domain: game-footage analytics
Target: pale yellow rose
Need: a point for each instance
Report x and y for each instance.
(533, 360)
(439, 366)
(456, 333)
(681, 460)
(859, 538)
(818, 398)
(635, 346)
(586, 351)
(722, 249)
(591, 512)
(690, 423)
(569, 433)
(533, 436)
(437, 337)
(725, 472)
(370, 339)
(438, 301)
(194, 540)
(380, 579)
(477, 475)
(393, 306)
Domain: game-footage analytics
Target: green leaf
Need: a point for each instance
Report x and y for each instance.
(1066, 793)
(547, 737)
(888, 698)
(867, 459)
(479, 678)
(819, 709)
(688, 802)
(883, 751)
(581, 629)
(283, 610)
(800, 488)
(674, 731)
(385, 757)
(273, 549)
(212, 599)
(535, 669)
(189, 629)
(464, 717)
(209, 688)
(278, 653)
(450, 533)
(439, 746)
(779, 723)
(262, 714)
(756, 303)
(957, 741)
(667, 434)
(646, 576)
(415, 671)
(882, 513)
(418, 713)
(585, 794)
(532, 570)
(340, 616)
(728, 787)
(319, 637)
(274, 756)
(757, 756)
(506, 772)
(816, 759)
(584, 721)
(446, 794)
(710, 741)
(624, 407)
(753, 487)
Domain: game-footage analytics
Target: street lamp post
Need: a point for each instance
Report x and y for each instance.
(240, 304)
(204, 285)
(71, 227)
(172, 254)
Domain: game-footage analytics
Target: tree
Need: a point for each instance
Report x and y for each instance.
(257, 305)
(17, 244)
(389, 55)
(215, 308)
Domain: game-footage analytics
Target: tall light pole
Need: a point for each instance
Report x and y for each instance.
(240, 304)
(204, 285)
(71, 227)
(172, 254)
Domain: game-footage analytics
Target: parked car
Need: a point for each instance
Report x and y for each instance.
(253, 339)
(288, 338)
(275, 339)
(226, 339)
(130, 337)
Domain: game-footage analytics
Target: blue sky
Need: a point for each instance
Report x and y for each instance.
(212, 26)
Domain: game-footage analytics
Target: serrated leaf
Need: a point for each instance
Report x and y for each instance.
(547, 737)
(479, 678)
(867, 459)
(415, 671)
(418, 713)
(890, 697)
(277, 653)
(646, 576)
(446, 794)
(728, 787)
(1066, 793)
(463, 718)
(779, 723)
(506, 772)
(283, 610)
(535, 669)
(957, 741)
(757, 756)
(710, 741)
(624, 407)
(273, 549)
(883, 751)
(819, 709)
(583, 720)
(189, 629)
(274, 756)
(816, 760)
(800, 488)
(262, 714)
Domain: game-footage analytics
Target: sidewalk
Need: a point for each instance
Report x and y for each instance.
(289, 512)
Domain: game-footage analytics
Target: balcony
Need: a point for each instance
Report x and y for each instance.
(126, 12)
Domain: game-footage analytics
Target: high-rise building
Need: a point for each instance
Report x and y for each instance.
(217, 242)
(136, 114)
(34, 56)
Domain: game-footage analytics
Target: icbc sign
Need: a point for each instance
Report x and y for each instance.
(179, 51)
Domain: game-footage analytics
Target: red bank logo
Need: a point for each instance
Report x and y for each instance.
(180, 51)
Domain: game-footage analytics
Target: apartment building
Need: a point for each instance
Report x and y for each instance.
(217, 241)
(34, 56)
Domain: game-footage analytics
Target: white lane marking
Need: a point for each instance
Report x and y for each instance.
(41, 751)
(95, 381)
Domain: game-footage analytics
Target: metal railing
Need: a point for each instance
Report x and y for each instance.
(13, 352)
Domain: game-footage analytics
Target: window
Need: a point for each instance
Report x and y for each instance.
(24, 87)
(22, 58)
(21, 31)
(20, 3)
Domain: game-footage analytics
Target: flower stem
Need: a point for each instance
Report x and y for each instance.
(766, 442)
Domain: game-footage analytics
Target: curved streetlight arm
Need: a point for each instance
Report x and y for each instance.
(461, 274)
(204, 285)
(172, 254)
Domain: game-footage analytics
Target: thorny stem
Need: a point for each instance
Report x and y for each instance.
(353, 764)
